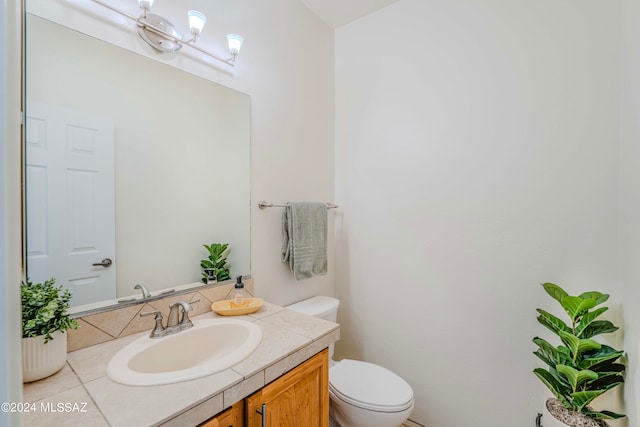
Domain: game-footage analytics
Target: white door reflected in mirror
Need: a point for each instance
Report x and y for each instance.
(70, 202)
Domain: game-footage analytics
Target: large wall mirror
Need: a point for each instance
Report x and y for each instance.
(132, 161)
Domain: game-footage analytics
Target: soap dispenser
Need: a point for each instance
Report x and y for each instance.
(239, 296)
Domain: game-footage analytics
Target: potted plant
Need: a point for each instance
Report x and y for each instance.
(44, 322)
(215, 267)
(580, 369)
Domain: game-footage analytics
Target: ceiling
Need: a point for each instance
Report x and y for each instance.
(340, 12)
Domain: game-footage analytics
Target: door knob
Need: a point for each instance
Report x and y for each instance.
(105, 263)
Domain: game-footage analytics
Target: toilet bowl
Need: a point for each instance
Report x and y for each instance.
(361, 394)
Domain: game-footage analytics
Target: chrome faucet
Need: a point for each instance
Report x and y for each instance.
(145, 292)
(175, 323)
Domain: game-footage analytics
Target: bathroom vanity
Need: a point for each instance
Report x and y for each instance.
(298, 398)
(288, 373)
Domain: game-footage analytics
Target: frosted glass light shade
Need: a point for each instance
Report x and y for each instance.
(235, 43)
(145, 4)
(196, 21)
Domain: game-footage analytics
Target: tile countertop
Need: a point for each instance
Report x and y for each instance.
(82, 394)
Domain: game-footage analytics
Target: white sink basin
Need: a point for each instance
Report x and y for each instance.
(210, 346)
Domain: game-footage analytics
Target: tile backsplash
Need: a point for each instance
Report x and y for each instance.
(120, 322)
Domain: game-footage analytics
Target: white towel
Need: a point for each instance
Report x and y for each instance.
(304, 238)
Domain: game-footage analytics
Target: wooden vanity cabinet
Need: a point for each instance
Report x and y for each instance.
(298, 398)
(232, 417)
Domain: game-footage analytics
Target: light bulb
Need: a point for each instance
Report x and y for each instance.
(235, 43)
(196, 21)
(145, 4)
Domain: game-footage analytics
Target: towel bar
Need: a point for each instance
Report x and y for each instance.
(263, 205)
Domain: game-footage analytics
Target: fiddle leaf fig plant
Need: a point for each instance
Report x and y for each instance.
(580, 369)
(44, 309)
(217, 262)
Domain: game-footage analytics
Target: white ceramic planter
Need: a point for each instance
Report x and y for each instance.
(549, 420)
(40, 360)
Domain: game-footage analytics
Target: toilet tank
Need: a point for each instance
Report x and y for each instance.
(323, 307)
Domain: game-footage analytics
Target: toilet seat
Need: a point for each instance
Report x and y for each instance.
(369, 386)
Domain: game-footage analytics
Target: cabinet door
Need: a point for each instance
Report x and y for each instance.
(298, 398)
(232, 417)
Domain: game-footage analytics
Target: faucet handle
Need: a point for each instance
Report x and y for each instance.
(149, 313)
(158, 331)
(185, 313)
(186, 306)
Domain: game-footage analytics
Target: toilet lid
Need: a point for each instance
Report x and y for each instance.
(369, 386)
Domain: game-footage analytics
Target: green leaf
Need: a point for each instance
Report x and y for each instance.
(553, 385)
(555, 291)
(598, 327)
(205, 263)
(581, 399)
(605, 381)
(576, 306)
(575, 377)
(552, 323)
(608, 367)
(578, 346)
(599, 297)
(587, 319)
(603, 415)
(223, 275)
(563, 381)
(602, 359)
(551, 355)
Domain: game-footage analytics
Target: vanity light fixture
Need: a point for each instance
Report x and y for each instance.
(162, 35)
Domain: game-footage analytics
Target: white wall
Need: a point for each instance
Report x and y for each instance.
(10, 212)
(630, 201)
(473, 163)
(286, 66)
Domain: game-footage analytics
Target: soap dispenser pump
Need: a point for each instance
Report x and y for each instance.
(239, 296)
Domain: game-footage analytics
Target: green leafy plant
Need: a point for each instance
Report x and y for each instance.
(217, 261)
(44, 309)
(580, 369)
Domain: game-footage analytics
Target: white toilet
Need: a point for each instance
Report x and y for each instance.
(361, 394)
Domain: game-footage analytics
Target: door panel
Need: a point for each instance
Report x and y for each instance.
(70, 200)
